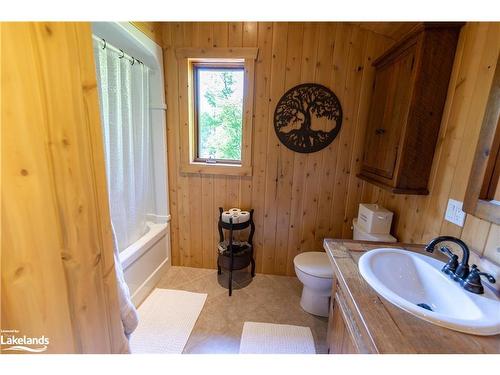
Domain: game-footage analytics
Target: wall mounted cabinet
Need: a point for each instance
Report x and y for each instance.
(409, 93)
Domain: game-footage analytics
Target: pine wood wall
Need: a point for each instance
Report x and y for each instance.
(153, 30)
(298, 199)
(420, 218)
(57, 265)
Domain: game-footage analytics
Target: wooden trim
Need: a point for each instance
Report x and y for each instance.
(473, 204)
(196, 67)
(247, 53)
(187, 120)
(217, 169)
(363, 175)
(492, 169)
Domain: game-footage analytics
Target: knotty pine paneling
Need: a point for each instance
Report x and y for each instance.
(420, 218)
(298, 198)
(153, 30)
(57, 261)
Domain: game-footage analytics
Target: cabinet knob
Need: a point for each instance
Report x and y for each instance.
(379, 131)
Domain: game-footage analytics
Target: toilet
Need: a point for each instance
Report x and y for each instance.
(358, 233)
(313, 269)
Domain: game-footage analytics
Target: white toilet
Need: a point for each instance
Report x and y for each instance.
(358, 233)
(313, 269)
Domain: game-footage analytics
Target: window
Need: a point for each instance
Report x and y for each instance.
(216, 110)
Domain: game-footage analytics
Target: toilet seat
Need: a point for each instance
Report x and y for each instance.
(314, 263)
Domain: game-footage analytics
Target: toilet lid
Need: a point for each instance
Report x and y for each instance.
(314, 263)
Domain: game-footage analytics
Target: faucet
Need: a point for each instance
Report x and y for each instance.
(462, 269)
(469, 280)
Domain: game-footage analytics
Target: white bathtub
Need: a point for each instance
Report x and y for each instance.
(146, 260)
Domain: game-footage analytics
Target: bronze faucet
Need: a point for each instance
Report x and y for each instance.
(470, 280)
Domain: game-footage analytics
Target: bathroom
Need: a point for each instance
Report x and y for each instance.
(251, 186)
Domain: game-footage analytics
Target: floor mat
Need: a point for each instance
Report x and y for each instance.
(166, 319)
(267, 338)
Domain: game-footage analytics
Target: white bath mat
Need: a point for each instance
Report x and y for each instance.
(166, 319)
(267, 338)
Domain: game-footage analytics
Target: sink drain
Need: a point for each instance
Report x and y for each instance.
(424, 306)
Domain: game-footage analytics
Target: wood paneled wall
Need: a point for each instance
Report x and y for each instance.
(298, 198)
(57, 265)
(153, 30)
(420, 218)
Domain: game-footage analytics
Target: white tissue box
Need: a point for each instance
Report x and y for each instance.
(373, 218)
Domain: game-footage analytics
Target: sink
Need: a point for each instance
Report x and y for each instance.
(414, 282)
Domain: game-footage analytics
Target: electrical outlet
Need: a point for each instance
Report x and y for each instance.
(454, 213)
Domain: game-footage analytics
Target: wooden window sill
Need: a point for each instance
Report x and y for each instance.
(217, 169)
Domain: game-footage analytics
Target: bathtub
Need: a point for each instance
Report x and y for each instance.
(146, 260)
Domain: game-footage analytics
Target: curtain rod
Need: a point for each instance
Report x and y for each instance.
(130, 58)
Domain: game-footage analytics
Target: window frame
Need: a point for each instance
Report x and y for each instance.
(196, 66)
(186, 57)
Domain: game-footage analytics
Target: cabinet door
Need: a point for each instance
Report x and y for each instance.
(340, 340)
(388, 113)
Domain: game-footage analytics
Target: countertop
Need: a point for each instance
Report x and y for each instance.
(390, 329)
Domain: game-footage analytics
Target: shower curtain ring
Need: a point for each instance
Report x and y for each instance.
(123, 54)
(104, 41)
(133, 61)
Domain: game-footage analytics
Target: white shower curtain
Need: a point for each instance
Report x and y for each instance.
(124, 98)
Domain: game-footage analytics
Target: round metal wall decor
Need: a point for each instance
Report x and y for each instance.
(294, 116)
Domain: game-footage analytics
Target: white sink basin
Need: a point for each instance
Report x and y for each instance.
(407, 279)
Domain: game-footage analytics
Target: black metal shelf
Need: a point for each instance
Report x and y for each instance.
(235, 226)
(235, 258)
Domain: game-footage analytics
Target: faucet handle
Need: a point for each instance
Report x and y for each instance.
(450, 267)
(488, 276)
(473, 281)
(446, 250)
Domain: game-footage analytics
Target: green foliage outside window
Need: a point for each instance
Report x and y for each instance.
(220, 107)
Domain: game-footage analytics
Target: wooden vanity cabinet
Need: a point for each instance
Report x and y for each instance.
(408, 97)
(340, 339)
(346, 334)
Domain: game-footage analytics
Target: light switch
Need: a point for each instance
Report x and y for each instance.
(454, 213)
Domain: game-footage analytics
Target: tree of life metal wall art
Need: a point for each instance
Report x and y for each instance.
(300, 109)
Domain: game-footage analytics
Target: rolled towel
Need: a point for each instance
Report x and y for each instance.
(226, 215)
(235, 210)
(244, 216)
(236, 218)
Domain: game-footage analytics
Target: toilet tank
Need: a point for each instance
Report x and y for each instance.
(360, 234)
(373, 218)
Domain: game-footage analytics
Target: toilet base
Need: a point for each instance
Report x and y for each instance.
(314, 303)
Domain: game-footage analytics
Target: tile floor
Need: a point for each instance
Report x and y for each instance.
(265, 298)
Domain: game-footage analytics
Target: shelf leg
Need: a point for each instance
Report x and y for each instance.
(252, 271)
(231, 274)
